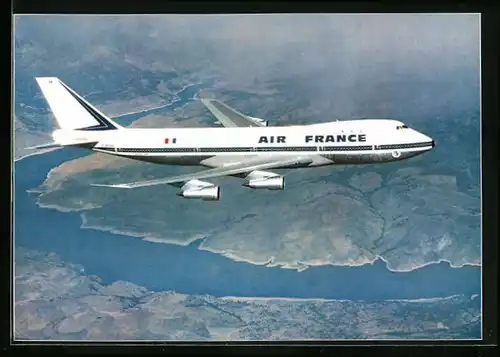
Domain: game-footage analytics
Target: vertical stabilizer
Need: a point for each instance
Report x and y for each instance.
(70, 110)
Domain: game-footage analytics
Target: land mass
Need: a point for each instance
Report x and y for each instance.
(55, 300)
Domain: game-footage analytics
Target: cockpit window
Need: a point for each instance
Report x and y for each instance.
(401, 127)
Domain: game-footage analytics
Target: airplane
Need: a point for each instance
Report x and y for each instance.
(246, 147)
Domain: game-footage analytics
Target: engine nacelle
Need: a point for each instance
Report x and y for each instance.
(200, 190)
(269, 183)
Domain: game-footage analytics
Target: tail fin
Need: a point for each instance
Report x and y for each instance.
(70, 110)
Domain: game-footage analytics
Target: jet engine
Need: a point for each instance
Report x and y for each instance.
(266, 180)
(200, 190)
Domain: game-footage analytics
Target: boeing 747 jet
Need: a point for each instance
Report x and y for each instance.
(246, 147)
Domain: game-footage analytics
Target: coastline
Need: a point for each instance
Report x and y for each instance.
(299, 265)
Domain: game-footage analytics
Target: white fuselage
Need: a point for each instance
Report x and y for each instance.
(343, 142)
(246, 147)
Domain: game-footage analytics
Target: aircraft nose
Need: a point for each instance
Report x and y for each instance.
(428, 139)
(425, 139)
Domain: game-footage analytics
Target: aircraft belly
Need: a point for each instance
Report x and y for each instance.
(219, 160)
(317, 160)
(320, 160)
(370, 157)
(182, 160)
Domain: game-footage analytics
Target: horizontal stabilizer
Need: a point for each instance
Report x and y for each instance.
(56, 145)
(43, 146)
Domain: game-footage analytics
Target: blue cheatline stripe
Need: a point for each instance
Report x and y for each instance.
(268, 148)
(346, 148)
(217, 150)
(403, 146)
(104, 124)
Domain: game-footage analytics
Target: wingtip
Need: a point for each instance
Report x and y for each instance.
(112, 186)
(206, 100)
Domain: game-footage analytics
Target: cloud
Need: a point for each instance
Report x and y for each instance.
(258, 43)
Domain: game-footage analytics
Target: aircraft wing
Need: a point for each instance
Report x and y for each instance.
(230, 117)
(227, 170)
